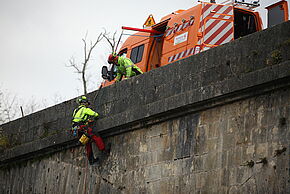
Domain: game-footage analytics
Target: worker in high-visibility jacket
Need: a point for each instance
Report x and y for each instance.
(81, 125)
(125, 67)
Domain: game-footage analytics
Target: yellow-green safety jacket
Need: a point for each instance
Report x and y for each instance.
(82, 113)
(127, 68)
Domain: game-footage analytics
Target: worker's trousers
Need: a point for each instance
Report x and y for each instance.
(93, 138)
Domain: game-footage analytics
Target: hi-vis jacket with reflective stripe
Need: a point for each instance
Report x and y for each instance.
(126, 68)
(82, 113)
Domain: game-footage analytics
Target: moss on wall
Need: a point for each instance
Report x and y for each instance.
(4, 141)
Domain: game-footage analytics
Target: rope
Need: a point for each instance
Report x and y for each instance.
(98, 91)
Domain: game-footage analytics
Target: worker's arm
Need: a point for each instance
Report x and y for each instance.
(90, 112)
(128, 72)
(128, 65)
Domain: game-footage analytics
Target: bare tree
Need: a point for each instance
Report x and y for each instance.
(57, 98)
(8, 106)
(12, 107)
(111, 40)
(31, 106)
(82, 68)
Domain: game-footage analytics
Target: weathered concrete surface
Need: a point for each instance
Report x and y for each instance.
(195, 123)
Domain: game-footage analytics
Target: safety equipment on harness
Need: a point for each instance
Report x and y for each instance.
(75, 131)
(84, 139)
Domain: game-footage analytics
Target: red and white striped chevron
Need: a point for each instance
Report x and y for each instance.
(216, 24)
(179, 27)
(188, 52)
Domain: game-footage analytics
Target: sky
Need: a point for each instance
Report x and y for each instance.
(38, 38)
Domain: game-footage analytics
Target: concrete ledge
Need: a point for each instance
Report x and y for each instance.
(240, 69)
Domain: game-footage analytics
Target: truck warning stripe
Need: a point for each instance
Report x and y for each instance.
(208, 12)
(221, 35)
(217, 32)
(185, 53)
(206, 7)
(179, 27)
(228, 36)
(216, 24)
(176, 57)
(210, 23)
(169, 32)
(213, 22)
(219, 27)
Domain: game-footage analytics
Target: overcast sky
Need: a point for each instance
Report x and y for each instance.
(38, 37)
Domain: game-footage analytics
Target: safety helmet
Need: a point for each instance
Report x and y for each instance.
(82, 99)
(112, 57)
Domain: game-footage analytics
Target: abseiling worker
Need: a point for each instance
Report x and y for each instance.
(82, 125)
(125, 67)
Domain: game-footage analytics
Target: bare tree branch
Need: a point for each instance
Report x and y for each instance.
(82, 69)
(73, 64)
(111, 40)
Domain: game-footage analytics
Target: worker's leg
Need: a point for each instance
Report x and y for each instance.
(89, 150)
(97, 139)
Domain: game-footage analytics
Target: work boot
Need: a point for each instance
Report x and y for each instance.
(94, 161)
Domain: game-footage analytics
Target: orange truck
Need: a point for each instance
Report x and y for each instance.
(188, 32)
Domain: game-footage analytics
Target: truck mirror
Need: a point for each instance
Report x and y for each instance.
(105, 72)
(277, 13)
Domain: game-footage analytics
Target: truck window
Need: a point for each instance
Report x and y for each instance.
(137, 54)
(244, 24)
